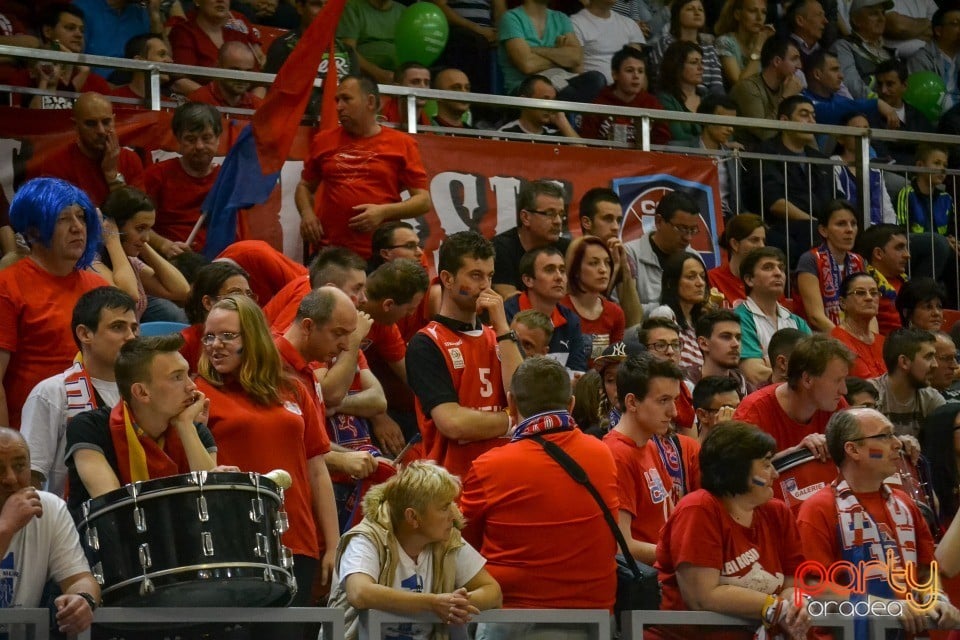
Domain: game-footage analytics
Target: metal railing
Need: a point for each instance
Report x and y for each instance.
(26, 623)
(598, 620)
(634, 622)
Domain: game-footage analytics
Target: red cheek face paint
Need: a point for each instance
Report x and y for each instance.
(875, 453)
(463, 291)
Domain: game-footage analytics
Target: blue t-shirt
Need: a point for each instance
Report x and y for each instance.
(106, 31)
(517, 24)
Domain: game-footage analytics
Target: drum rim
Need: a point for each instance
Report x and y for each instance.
(199, 567)
(153, 495)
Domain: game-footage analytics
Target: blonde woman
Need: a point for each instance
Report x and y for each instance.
(407, 556)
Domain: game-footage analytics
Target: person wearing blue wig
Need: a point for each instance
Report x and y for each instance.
(38, 293)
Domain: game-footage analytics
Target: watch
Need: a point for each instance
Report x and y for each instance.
(509, 335)
(90, 600)
(119, 179)
(754, 56)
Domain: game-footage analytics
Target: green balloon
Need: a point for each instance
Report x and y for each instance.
(421, 34)
(925, 91)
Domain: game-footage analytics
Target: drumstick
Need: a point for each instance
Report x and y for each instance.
(406, 449)
(280, 478)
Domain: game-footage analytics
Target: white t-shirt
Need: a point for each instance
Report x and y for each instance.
(603, 37)
(361, 556)
(923, 9)
(46, 548)
(44, 426)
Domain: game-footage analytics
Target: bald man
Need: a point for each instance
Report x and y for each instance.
(860, 519)
(39, 542)
(95, 162)
(232, 93)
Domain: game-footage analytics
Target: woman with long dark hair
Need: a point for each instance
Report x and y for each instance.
(683, 297)
(213, 281)
(681, 75)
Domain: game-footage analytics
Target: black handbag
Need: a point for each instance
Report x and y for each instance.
(637, 584)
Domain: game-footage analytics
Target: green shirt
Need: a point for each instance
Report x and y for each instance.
(374, 31)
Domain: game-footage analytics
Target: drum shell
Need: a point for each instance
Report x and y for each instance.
(801, 476)
(230, 573)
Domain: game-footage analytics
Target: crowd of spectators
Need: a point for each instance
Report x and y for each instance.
(664, 351)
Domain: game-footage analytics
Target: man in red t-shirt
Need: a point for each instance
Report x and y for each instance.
(270, 271)
(151, 47)
(796, 412)
(227, 92)
(96, 162)
(459, 368)
(544, 536)
(361, 168)
(38, 293)
(884, 247)
(654, 469)
(860, 519)
(179, 186)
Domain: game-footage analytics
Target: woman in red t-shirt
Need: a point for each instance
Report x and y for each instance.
(741, 234)
(860, 302)
(728, 546)
(589, 269)
(264, 418)
(212, 282)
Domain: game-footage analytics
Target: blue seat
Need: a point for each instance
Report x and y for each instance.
(161, 328)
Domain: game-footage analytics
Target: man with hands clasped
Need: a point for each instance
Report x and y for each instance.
(39, 542)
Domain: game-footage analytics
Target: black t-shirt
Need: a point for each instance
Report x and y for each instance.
(506, 263)
(91, 430)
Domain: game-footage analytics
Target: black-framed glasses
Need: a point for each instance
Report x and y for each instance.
(662, 346)
(548, 214)
(885, 437)
(409, 246)
(226, 337)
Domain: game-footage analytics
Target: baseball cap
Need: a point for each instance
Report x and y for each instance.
(856, 5)
(620, 351)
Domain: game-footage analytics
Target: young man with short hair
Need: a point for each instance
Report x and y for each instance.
(534, 331)
(719, 337)
(103, 321)
(715, 398)
(906, 397)
(884, 247)
(654, 468)
(661, 337)
(796, 413)
(458, 367)
(544, 277)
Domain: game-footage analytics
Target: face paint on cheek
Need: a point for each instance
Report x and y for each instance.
(239, 350)
(463, 291)
(875, 453)
(757, 480)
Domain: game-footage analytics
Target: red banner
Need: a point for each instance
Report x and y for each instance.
(473, 183)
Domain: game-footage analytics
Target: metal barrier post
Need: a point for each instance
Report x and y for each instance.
(39, 619)
(330, 618)
(372, 620)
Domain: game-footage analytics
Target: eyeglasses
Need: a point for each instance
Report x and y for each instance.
(685, 231)
(662, 346)
(409, 246)
(865, 293)
(885, 437)
(549, 214)
(240, 292)
(226, 337)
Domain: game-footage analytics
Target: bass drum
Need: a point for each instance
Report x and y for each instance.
(194, 540)
(801, 476)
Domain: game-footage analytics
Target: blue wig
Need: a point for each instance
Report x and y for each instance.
(38, 204)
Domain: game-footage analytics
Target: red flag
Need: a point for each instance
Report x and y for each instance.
(276, 120)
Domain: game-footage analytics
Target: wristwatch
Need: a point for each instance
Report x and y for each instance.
(119, 179)
(90, 600)
(754, 56)
(509, 335)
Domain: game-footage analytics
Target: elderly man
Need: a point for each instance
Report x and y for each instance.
(860, 519)
(861, 51)
(942, 54)
(361, 169)
(178, 186)
(38, 293)
(95, 162)
(39, 542)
